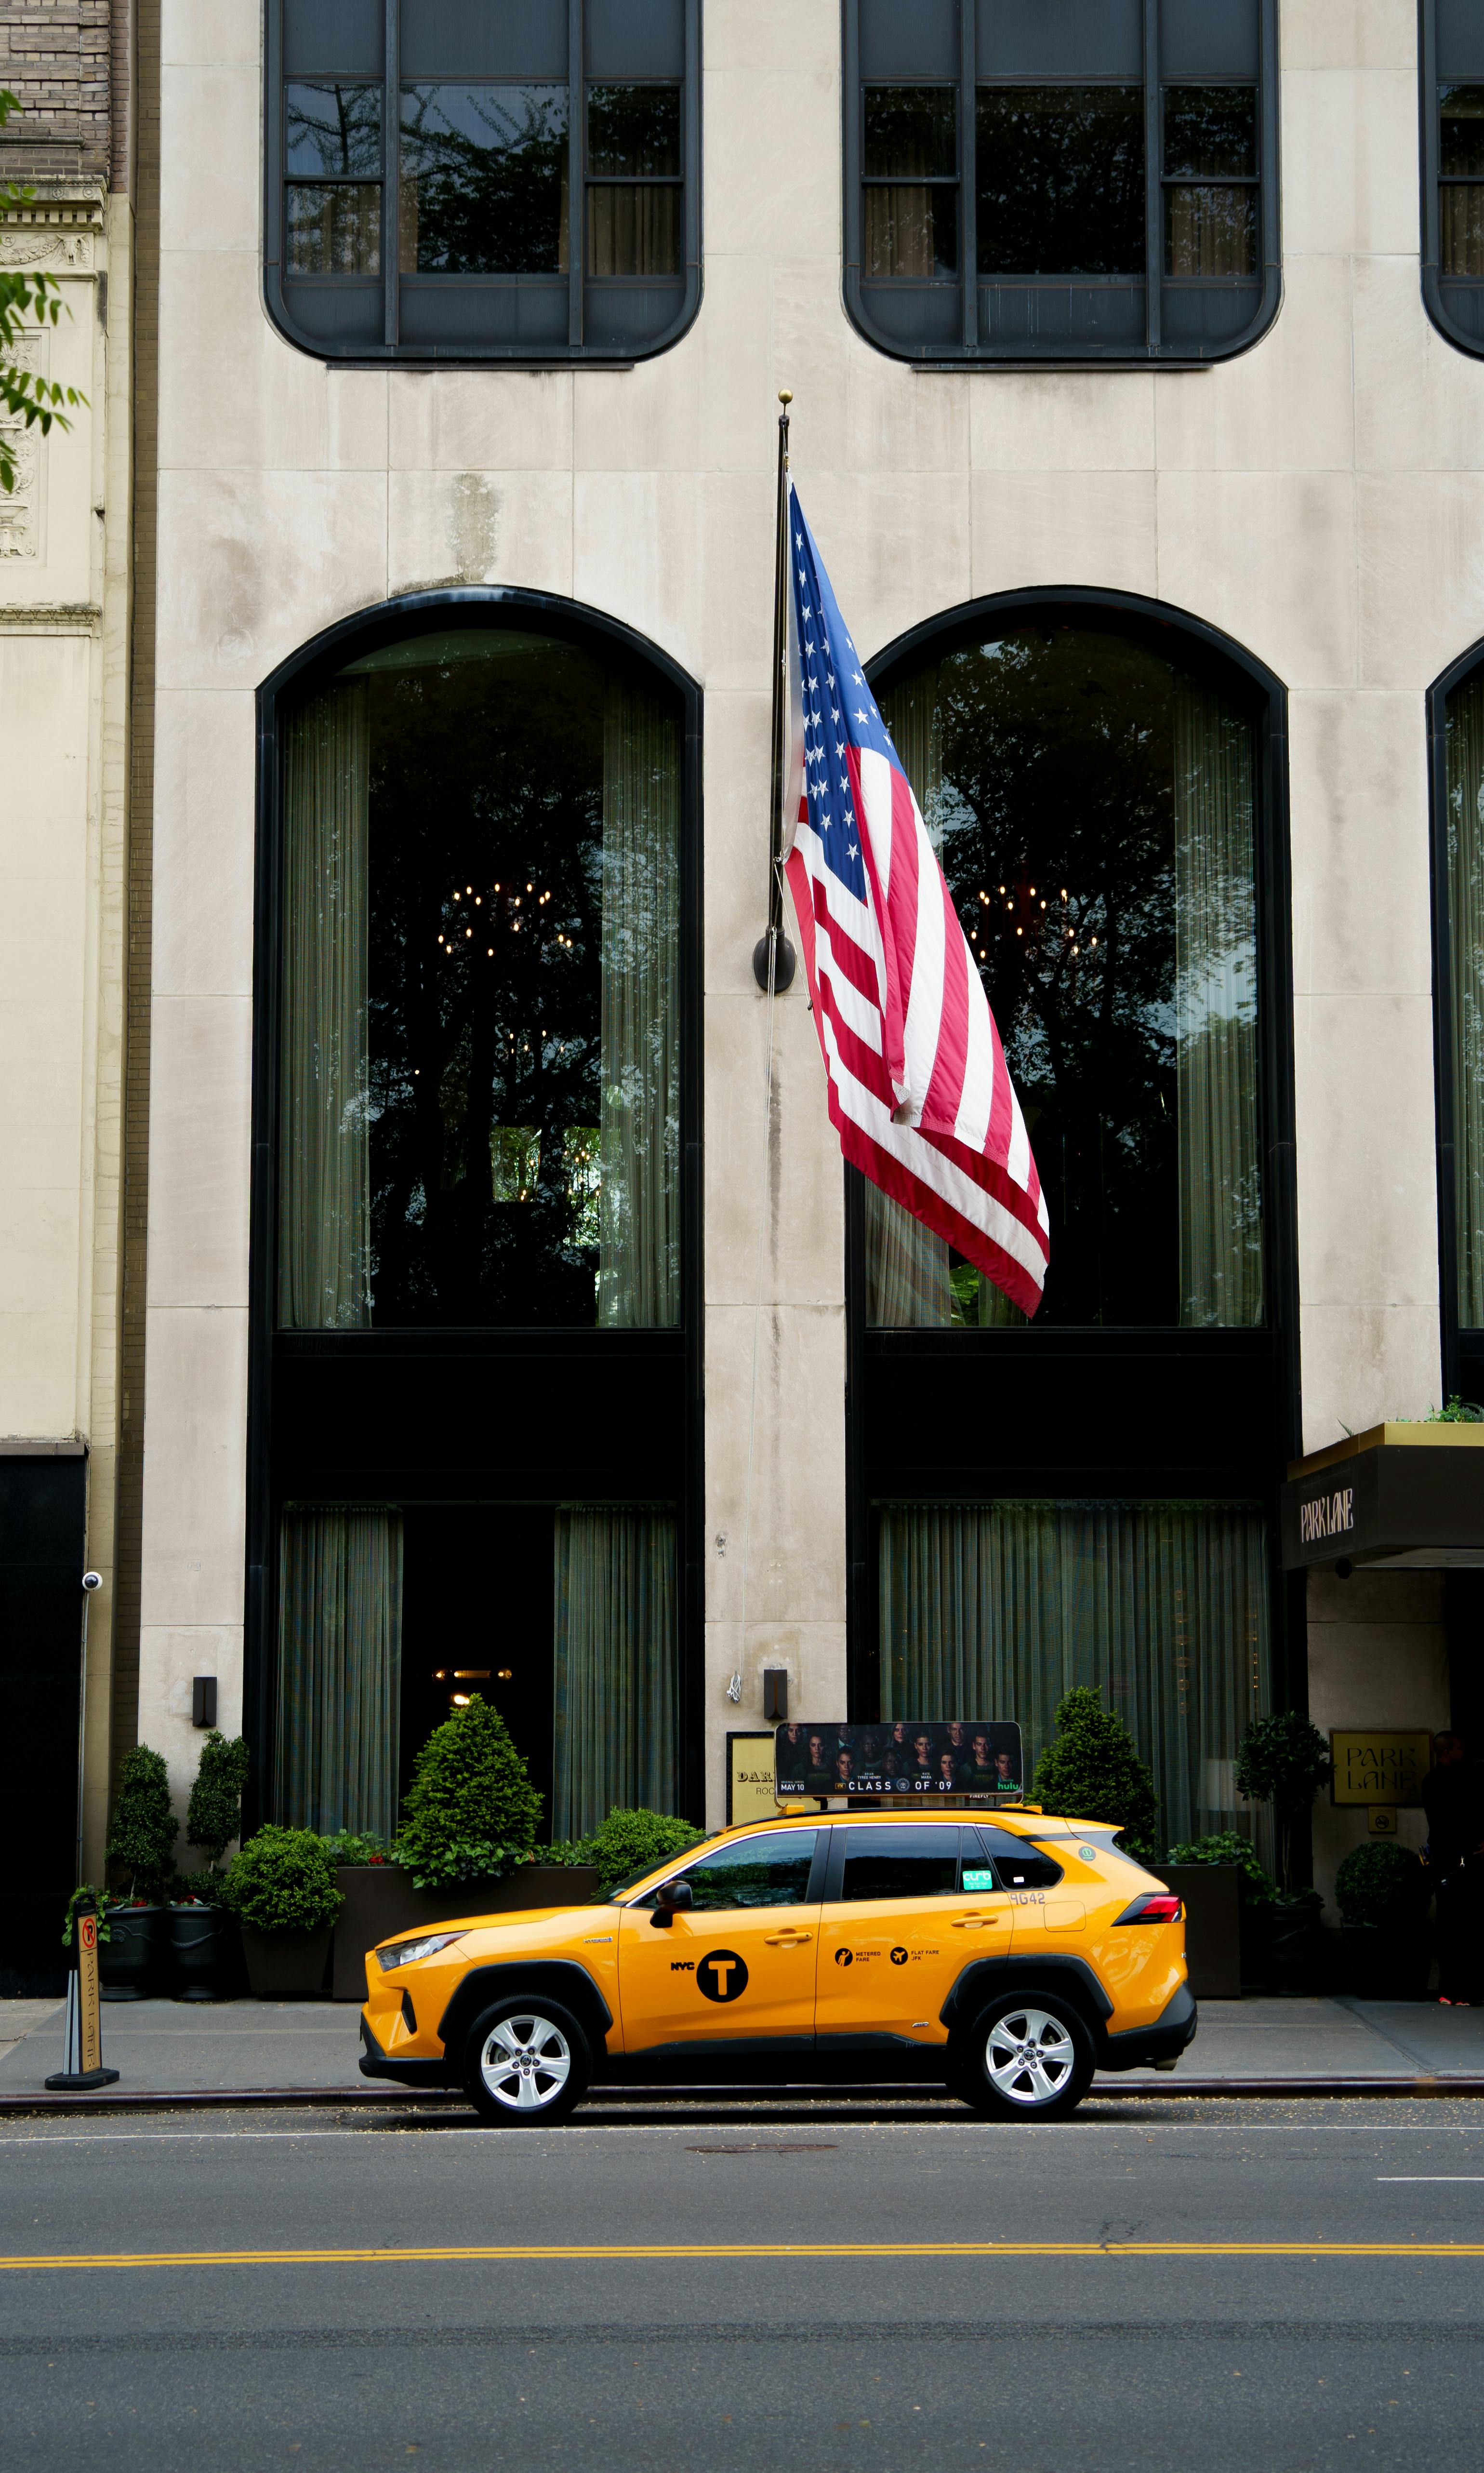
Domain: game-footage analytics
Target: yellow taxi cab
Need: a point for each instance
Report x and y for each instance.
(1005, 1959)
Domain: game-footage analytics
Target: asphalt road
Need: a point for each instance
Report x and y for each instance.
(1166, 2333)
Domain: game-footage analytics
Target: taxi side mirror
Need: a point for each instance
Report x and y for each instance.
(668, 1897)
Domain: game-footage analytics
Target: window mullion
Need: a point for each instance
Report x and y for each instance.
(1153, 181)
(391, 173)
(968, 178)
(577, 169)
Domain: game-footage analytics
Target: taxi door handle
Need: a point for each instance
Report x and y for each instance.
(789, 1940)
(974, 1923)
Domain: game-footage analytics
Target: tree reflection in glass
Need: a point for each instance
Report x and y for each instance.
(1092, 809)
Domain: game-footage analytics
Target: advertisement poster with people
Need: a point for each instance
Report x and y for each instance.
(979, 1757)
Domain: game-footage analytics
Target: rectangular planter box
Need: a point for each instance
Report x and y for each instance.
(380, 1900)
(1212, 1944)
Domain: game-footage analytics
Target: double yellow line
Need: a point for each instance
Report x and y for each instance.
(625, 2253)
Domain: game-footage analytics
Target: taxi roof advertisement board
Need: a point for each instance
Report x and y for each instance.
(920, 1757)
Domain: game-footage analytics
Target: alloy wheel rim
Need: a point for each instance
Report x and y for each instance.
(1029, 2057)
(526, 2062)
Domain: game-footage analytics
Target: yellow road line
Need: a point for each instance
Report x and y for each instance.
(521, 2252)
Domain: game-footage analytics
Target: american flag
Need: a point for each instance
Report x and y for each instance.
(920, 1093)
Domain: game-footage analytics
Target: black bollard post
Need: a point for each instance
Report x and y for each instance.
(83, 2036)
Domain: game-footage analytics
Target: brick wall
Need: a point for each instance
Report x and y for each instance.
(55, 57)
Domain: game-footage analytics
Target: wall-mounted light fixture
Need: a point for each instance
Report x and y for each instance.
(203, 1700)
(775, 1694)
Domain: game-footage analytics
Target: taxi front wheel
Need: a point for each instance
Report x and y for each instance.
(1026, 2057)
(526, 2062)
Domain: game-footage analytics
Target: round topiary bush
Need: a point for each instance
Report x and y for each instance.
(282, 1881)
(1094, 1773)
(1380, 1883)
(471, 1812)
(631, 1841)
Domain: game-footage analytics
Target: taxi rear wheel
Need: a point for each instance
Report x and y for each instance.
(1027, 2058)
(526, 2062)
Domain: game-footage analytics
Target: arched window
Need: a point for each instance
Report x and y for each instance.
(501, 182)
(1453, 123)
(473, 1446)
(1092, 801)
(1094, 181)
(1087, 1497)
(1457, 730)
(480, 1055)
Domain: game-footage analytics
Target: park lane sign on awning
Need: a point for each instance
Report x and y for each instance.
(1398, 1496)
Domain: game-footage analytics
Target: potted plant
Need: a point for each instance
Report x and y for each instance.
(1092, 1771)
(196, 1920)
(1283, 1759)
(282, 1888)
(627, 1843)
(1381, 1891)
(467, 1847)
(1228, 1898)
(141, 1842)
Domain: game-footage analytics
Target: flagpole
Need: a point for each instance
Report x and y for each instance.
(773, 955)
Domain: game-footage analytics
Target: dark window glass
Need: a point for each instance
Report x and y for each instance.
(1211, 131)
(480, 1098)
(914, 1861)
(757, 1872)
(911, 162)
(1092, 807)
(1211, 229)
(1061, 180)
(332, 230)
(633, 131)
(1018, 1864)
(333, 131)
(483, 180)
(1462, 112)
(1461, 197)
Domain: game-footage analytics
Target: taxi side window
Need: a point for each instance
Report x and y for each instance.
(1018, 1864)
(757, 1872)
(885, 1861)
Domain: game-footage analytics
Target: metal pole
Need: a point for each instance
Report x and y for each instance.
(773, 955)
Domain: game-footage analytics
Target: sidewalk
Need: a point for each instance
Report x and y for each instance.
(168, 2047)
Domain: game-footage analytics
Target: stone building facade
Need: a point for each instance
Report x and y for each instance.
(1250, 457)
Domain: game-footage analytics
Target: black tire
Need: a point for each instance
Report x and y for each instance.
(1028, 2056)
(536, 2072)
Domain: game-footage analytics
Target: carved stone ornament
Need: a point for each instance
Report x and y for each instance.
(73, 249)
(20, 507)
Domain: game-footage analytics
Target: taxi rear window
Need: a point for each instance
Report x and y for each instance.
(1017, 1863)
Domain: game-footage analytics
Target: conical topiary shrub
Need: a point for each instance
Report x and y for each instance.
(143, 1834)
(213, 1816)
(471, 1811)
(1094, 1773)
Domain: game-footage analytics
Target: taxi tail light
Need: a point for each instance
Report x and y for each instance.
(1160, 1906)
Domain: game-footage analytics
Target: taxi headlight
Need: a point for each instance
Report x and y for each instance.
(406, 1952)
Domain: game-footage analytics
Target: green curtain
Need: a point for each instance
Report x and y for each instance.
(907, 1283)
(639, 1196)
(617, 1633)
(908, 1278)
(325, 1137)
(996, 1610)
(1466, 962)
(337, 1738)
(1215, 1014)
